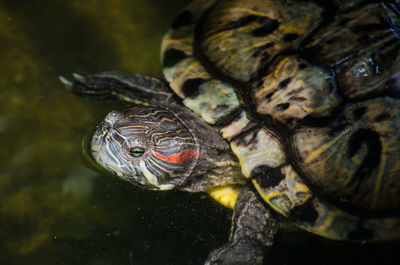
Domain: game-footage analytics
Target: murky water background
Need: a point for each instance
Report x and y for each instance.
(54, 207)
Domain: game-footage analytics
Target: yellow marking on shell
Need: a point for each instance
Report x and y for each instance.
(256, 45)
(235, 127)
(194, 64)
(249, 48)
(332, 222)
(326, 225)
(356, 160)
(245, 10)
(310, 85)
(325, 147)
(226, 195)
(300, 187)
(379, 177)
(168, 42)
(215, 37)
(184, 44)
(265, 150)
(289, 193)
(288, 69)
(267, 197)
(216, 99)
(188, 68)
(248, 162)
(298, 26)
(304, 83)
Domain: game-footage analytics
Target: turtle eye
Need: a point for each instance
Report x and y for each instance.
(136, 151)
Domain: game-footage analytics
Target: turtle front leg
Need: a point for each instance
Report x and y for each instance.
(131, 89)
(253, 229)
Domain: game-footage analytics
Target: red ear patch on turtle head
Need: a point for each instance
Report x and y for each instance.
(179, 158)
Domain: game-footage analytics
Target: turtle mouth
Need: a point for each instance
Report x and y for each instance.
(99, 139)
(141, 185)
(104, 149)
(109, 149)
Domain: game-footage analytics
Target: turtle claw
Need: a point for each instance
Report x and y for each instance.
(78, 84)
(236, 253)
(78, 77)
(68, 84)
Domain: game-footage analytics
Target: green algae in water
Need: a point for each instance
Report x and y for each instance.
(54, 207)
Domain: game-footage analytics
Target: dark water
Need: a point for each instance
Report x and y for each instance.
(54, 207)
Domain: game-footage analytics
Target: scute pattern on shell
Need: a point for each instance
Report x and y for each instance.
(295, 89)
(361, 46)
(315, 123)
(358, 152)
(187, 76)
(241, 38)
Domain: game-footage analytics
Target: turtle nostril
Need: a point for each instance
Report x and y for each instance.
(104, 125)
(113, 117)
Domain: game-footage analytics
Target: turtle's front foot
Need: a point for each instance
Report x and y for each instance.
(253, 230)
(236, 253)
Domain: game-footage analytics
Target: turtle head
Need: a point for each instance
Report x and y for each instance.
(146, 145)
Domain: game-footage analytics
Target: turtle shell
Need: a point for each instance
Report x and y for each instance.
(308, 94)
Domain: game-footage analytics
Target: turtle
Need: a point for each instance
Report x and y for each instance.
(287, 112)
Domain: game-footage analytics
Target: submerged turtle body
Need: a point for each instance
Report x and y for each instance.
(306, 95)
(308, 99)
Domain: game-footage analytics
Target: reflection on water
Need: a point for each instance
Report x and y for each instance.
(54, 208)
